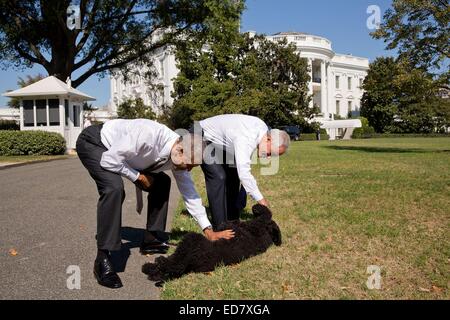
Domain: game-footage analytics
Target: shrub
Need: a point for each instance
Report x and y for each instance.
(405, 135)
(365, 132)
(9, 125)
(312, 136)
(15, 143)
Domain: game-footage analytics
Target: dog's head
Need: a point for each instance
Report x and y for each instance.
(261, 211)
(264, 213)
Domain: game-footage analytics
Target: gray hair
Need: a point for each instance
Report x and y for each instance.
(193, 146)
(279, 138)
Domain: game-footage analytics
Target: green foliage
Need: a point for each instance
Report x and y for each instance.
(15, 143)
(22, 83)
(313, 136)
(135, 109)
(223, 71)
(419, 30)
(402, 98)
(9, 125)
(113, 34)
(404, 135)
(366, 131)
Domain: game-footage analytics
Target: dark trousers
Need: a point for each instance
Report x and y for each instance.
(112, 194)
(223, 187)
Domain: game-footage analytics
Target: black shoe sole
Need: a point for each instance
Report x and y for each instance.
(104, 284)
(153, 251)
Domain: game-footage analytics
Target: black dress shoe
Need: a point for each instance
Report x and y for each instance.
(105, 274)
(153, 247)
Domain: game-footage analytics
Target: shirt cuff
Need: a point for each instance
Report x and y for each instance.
(133, 175)
(203, 221)
(257, 196)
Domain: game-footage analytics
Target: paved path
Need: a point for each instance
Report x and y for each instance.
(47, 214)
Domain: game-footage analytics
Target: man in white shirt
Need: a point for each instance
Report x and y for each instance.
(238, 136)
(139, 150)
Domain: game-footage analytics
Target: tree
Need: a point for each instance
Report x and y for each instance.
(22, 83)
(223, 71)
(113, 33)
(377, 103)
(420, 30)
(135, 109)
(399, 97)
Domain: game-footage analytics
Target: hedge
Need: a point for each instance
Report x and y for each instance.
(16, 143)
(401, 135)
(9, 125)
(312, 136)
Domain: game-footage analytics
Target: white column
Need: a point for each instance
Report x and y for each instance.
(323, 89)
(21, 115)
(310, 84)
(330, 87)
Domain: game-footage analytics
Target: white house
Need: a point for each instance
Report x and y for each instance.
(335, 85)
(52, 105)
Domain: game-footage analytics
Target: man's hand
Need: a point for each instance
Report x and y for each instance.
(214, 236)
(144, 182)
(264, 202)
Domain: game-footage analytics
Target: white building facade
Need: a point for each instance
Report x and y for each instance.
(336, 79)
(165, 71)
(335, 85)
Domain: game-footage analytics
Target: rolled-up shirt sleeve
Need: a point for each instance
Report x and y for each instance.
(191, 198)
(243, 154)
(115, 159)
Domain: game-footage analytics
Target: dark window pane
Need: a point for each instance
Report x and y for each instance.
(76, 116)
(66, 108)
(41, 112)
(28, 113)
(53, 106)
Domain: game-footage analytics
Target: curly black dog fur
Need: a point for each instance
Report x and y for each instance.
(195, 253)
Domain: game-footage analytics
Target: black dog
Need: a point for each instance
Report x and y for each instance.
(195, 253)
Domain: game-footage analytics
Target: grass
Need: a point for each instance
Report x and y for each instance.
(343, 206)
(20, 159)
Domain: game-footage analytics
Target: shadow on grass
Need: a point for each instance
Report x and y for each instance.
(177, 234)
(383, 150)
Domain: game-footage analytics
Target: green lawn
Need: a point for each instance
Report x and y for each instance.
(16, 159)
(343, 206)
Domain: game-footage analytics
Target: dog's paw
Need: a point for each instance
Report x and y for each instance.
(159, 284)
(149, 268)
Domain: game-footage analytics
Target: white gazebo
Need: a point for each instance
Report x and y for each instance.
(52, 105)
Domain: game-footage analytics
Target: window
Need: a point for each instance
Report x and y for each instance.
(28, 113)
(300, 38)
(76, 116)
(53, 110)
(337, 82)
(349, 106)
(338, 107)
(66, 110)
(41, 113)
(349, 81)
(361, 82)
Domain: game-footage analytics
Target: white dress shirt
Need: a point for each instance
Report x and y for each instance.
(135, 145)
(239, 134)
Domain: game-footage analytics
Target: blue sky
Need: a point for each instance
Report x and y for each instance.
(341, 21)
